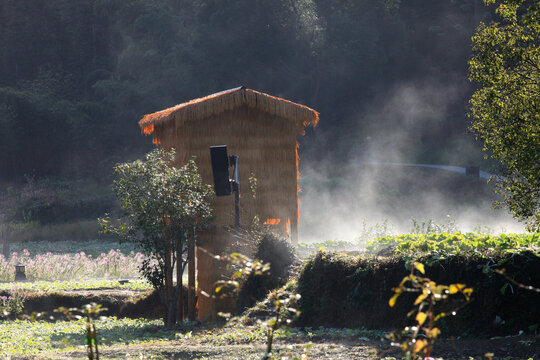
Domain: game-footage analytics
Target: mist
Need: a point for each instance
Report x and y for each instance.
(355, 196)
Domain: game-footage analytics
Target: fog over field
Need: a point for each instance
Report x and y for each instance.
(365, 188)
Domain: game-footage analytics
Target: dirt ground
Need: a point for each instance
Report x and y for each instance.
(333, 348)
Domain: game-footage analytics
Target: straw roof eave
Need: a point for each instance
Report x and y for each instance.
(228, 100)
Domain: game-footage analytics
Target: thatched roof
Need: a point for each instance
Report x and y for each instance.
(228, 100)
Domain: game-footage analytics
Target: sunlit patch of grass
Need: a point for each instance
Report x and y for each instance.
(25, 337)
(82, 284)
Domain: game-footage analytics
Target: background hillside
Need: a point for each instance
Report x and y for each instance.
(389, 78)
(77, 75)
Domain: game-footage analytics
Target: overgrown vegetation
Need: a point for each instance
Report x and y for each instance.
(48, 209)
(283, 301)
(280, 257)
(344, 291)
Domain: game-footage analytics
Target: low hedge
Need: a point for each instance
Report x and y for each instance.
(339, 290)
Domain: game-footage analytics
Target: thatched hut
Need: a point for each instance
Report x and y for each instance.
(260, 129)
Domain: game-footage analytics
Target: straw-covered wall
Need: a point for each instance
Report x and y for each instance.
(262, 131)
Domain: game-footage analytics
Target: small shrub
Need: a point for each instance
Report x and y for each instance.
(243, 270)
(285, 309)
(279, 253)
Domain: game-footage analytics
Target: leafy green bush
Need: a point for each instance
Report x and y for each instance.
(438, 246)
(163, 210)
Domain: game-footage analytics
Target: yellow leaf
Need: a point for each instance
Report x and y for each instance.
(467, 292)
(421, 318)
(420, 344)
(433, 333)
(420, 267)
(421, 297)
(455, 288)
(392, 300)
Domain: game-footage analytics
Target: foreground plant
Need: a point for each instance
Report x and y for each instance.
(426, 317)
(284, 301)
(89, 313)
(285, 307)
(14, 303)
(242, 268)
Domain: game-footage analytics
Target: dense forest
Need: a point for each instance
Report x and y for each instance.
(77, 75)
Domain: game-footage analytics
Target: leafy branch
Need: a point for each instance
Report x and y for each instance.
(426, 317)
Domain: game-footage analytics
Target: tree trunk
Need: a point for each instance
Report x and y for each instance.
(191, 277)
(179, 283)
(171, 318)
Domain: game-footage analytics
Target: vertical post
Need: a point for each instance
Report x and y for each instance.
(236, 189)
(237, 209)
(191, 277)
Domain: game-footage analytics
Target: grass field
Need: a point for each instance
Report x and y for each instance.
(82, 284)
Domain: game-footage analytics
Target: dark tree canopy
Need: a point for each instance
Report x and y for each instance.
(77, 75)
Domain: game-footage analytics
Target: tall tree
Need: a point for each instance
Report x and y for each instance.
(506, 107)
(163, 210)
